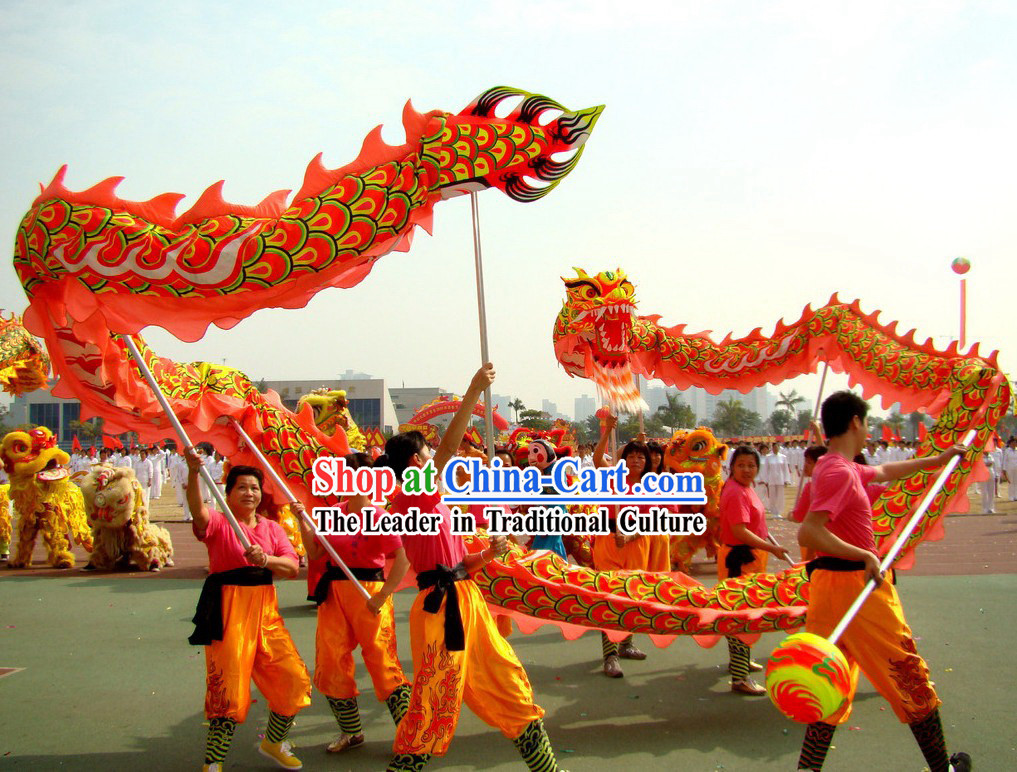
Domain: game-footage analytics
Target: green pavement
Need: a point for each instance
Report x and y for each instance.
(110, 683)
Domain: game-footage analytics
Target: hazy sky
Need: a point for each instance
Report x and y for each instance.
(753, 158)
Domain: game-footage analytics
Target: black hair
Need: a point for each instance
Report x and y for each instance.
(357, 460)
(860, 459)
(815, 452)
(746, 450)
(838, 410)
(637, 447)
(243, 471)
(655, 447)
(399, 449)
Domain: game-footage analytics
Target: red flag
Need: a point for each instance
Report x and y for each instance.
(76, 444)
(111, 442)
(922, 432)
(132, 444)
(887, 433)
(91, 449)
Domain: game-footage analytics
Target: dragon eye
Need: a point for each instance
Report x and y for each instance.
(699, 445)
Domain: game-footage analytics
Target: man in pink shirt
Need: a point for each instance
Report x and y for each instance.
(838, 528)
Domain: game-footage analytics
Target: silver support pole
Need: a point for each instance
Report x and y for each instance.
(185, 440)
(901, 540)
(482, 312)
(815, 417)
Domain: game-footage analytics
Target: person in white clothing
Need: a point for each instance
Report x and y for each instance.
(143, 471)
(157, 460)
(1009, 470)
(989, 485)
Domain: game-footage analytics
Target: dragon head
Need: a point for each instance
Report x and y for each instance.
(24, 365)
(593, 331)
(476, 149)
(697, 450)
(33, 453)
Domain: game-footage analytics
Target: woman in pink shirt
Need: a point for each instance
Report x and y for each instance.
(346, 620)
(238, 619)
(744, 549)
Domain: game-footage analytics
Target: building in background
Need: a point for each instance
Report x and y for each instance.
(585, 406)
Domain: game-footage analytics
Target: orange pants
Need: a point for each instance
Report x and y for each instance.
(607, 556)
(486, 675)
(757, 566)
(878, 642)
(344, 622)
(255, 644)
(659, 549)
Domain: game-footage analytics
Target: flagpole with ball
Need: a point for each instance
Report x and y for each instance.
(961, 266)
(807, 677)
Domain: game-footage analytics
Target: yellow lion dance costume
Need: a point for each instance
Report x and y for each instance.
(5, 520)
(331, 409)
(697, 451)
(119, 519)
(45, 500)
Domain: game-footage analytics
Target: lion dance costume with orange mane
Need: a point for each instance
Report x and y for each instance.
(45, 500)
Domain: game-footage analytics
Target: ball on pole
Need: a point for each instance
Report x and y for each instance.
(961, 265)
(808, 678)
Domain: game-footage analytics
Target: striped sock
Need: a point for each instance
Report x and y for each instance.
(408, 762)
(739, 653)
(278, 728)
(220, 737)
(398, 702)
(535, 748)
(818, 737)
(346, 713)
(610, 647)
(929, 733)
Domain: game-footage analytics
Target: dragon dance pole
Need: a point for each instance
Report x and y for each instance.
(898, 545)
(819, 403)
(639, 390)
(185, 440)
(482, 312)
(281, 484)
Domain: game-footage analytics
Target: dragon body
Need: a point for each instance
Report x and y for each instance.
(598, 335)
(96, 267)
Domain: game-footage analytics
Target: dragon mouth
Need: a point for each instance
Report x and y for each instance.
(612, 326)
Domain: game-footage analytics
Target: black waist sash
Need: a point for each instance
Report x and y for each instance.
(208, 615)
(740, 555)
(829, 563)
(442, 582)
(333, 574)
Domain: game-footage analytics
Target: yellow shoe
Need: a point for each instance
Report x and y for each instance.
(217, 767)
(280, 754)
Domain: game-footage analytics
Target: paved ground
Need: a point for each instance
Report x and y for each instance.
(103, 678)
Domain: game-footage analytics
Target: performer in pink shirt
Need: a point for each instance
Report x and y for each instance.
(878, 642)
(238, 621)
(458, 653)
(346, 620)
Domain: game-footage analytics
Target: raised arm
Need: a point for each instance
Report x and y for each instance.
(600, 452)
(894, 470)
(482, 379)
(195, 505)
